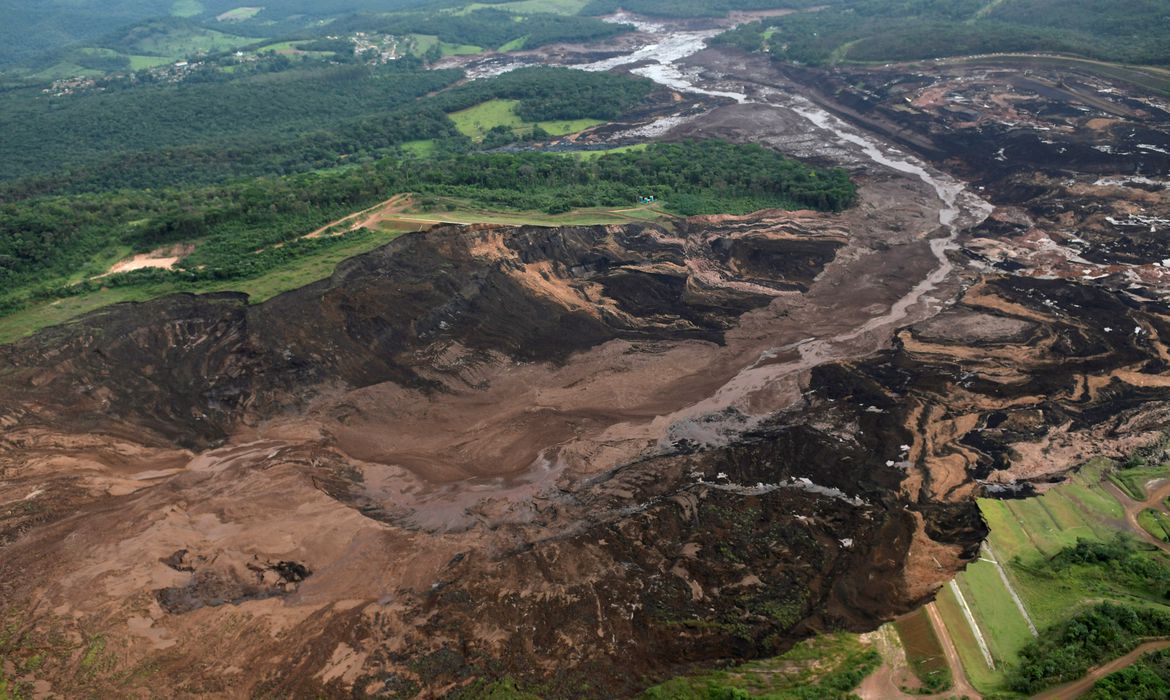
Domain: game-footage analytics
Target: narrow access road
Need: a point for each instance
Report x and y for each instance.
(1154, 499)
(1079, 687)
(961, 684)
(882, 684)
(351, 219)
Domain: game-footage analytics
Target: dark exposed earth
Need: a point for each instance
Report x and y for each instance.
(588, 459)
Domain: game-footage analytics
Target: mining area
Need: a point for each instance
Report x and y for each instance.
(592, 458)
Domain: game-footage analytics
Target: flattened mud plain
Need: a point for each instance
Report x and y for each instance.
(591, 458)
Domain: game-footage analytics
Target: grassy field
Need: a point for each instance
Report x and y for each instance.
(98, 51)
(960, 632)
(1133, 480)
(420, 149)
(64, 69)
(186, 8)
(141, 62)
(420, 43)
(290, 48)
(279, 47)
(1003, 626)
(1156, 523)
(452, 210)
(475, 122)
(239, 14)
(514, 45)
(591, 155)
(186, 42)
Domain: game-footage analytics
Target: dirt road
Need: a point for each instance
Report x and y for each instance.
(354, 221)
(1133, 508)
(882, 684)
(962, 685)
(1079, 687)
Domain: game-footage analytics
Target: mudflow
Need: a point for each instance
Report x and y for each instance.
(590, 458)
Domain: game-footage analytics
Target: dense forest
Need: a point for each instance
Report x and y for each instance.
(694, 177)
(894, 30)
(303, 118)
(39, 134)
(46, 240)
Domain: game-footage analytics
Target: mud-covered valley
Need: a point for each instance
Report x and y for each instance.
(591, 458)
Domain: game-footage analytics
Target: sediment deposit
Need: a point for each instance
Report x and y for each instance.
(589, 458)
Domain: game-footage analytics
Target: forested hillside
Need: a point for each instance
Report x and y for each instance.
(29, 29)
(893, 30)
(487, 27)
(298, 119)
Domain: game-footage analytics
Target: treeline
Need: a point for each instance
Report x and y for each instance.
(246, 228)
(894, 30)
(1120, 561)
(693, 177)
(302, 119)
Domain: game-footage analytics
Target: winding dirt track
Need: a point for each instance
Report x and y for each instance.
(1079, 687)
(1133, 508)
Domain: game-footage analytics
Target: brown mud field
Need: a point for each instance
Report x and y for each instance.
(587, 459)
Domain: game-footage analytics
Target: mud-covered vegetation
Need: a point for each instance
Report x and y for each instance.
(828, 667)
(887, 30)
(924, 654)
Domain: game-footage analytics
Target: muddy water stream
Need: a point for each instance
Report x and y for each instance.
(704, 418)
(665, 52)
(662, 57)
